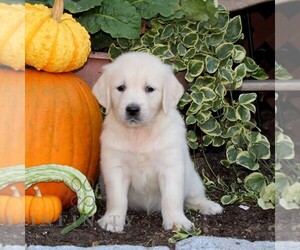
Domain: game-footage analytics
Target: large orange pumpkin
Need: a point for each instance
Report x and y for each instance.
(63, 123)
(12, 121)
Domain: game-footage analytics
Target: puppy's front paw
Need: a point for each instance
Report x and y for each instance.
(112, 223)
(178, 222)
(210, 207)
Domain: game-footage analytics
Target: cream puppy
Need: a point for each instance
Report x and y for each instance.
(145, 159)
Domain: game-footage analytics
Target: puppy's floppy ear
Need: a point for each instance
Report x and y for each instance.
(172, 90)
(101, 90)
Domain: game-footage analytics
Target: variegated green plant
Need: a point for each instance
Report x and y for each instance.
(214, 65)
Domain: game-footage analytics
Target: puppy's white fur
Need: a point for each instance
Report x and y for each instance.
(146, 164)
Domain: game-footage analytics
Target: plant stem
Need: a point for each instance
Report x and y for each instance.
(58, 9)
(207, 163)
(75, 224)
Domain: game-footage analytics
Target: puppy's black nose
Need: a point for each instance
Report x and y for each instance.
(133, 109)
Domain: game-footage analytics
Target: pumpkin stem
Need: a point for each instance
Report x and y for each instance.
(58, 9)
(37, 192)
(75, 224)
(15, 191)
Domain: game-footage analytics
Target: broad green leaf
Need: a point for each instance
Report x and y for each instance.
(227, 199)
(238, 53)
(225, 163)
(125, 43)
(230, 114)
(186, 98)
(215, 39)
(114, 51)
(195, 68)
(220, 90)
(190, 40)
(231, 131)
(207, 140)
(191, 136)
(179, 65)
(181, 49)
(191, 119)
(281, 182)
(188, 77)
(282, 73)
(247, 160)
(206, 80)
(193, 145)
(284, 147)
(226, 74)
(147, 40)
(250, 64)
(201, 10)
(224, 50)
(255, 182)
(232, 153)
(197, 97)
(218, 141)
(150, 8)
(259, 74)
(163, 51)
(223, 19)
(247, 98)
(250, 107)
(101, 41)
(243, 114)
(211, 127)
(184, 31)
(209, 94)
(238, 139)
(267, 197)
(116, 17)
(291, 197)
(203, 116)
(211, 64)
(217, 104)
(234, 29)
(189, 54)
(240, 71)
(193, 109)
(167, 32)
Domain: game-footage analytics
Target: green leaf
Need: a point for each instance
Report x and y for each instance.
(225, 163)
(243, 114)
(215, 39)
(193, 109)
(259, 74)
(116, 17)
(179, 65)
(226, 74)
(181, 49)
(189, 54)
(163, 51)
(255, 182)
(247, 160)
(190, 40)
(250, 107)
(220, 90)
(191, 136)
(247, 98)
(230, 114)
(238, 53)
(207, 140)
(150, 8)
(203, 116)
(281, 182)
(224, 50)
(125, 43)
(227, 199)
(211, 127)
(197, 97)
(201, 10)
(250, 64)
(234, 29)
(195, 68)
(291, 197)
(218, 141)
(193, 145)
(284, 147)
(167, 32)
(240, 71)
(232, 153)
(209, 94)
(191, 119)
(147, 40)
(282, 73)
(114, 51)
(267, 197)
(211, 64)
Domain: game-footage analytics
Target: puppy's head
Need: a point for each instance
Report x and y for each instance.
(136, 86)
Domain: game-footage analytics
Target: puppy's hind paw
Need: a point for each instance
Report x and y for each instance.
(209, 207)
(112, 223)
(178, 223)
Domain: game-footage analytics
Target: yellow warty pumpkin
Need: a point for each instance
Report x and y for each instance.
(12, 35)
(55, 42)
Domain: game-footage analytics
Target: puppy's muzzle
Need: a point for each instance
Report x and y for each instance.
(133, 112)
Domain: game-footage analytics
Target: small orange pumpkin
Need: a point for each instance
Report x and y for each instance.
(12, 208)
(42, 209)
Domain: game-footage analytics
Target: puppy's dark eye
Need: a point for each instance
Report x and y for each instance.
(121, 88)
(149, 89)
